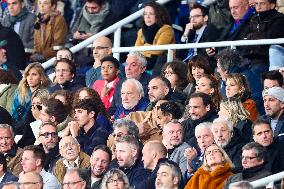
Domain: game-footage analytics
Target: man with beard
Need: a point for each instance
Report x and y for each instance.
(71, 157)
(173, 134)
(132, 97)
(197, 30)
(158, 89)
(100, 161)
(229, 139)
(274, 107)
(48, 137)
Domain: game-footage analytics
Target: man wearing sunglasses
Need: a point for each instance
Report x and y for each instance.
(48, 137)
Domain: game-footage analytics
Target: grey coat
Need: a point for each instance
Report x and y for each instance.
(26, 31)
(178, 156)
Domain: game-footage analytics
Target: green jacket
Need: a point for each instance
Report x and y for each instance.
(7, 96)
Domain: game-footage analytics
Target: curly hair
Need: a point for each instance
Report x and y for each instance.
(162, 16)
(236, 110)
(199, 62)
(94, 96)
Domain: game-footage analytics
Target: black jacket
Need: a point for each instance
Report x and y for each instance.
(71, 86)
(275, 157)
(250, 174)
(5, 117)
(263, 25)
(245, 129)
(51, 158)
(15, 48)
(234, 150)
(135, 174)
(95, 136)
(189, 127)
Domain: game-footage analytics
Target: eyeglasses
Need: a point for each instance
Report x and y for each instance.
(100, 47)
(112, 181)
(47, 134)
(71, 183)
(247, 158)
(195, 16)
(215, 151)
(66, 145)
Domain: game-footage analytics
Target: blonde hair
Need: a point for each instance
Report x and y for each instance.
(23, 87)
(236, 110)
(227, 160)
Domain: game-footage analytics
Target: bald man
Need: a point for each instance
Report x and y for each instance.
(102, 47)
(153, 154)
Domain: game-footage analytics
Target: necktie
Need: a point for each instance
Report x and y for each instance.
(190, 52)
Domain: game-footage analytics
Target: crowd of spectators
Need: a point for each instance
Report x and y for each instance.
(211, 118)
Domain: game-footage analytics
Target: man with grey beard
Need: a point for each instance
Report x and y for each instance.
(229, 139)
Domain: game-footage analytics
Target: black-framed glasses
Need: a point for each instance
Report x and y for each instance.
(47, 134)
(71, 183)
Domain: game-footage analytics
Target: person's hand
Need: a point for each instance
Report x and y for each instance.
(105, 90)
(190, 154)
(74, 128)
(210, 51)
(188, 27)
(35, 111)
(77, 35)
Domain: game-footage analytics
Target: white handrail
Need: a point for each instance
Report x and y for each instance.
(266, 180)
(104, 32)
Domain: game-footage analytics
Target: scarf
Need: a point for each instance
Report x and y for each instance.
(149, 32)
(20, 17)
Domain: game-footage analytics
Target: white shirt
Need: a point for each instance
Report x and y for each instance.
(1, 178)
(72, 165)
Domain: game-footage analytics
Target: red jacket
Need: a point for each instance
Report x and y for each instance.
(98, 86)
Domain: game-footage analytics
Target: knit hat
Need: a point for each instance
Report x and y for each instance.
(276, 57)
(276, 92)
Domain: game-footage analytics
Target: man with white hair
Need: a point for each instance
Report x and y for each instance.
(135, 67)
(229, 139)
(71, 157)
(274, 107)
(194, 155)
(132, 96)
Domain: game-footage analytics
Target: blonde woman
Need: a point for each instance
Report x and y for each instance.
(237, 87)
(34, 78)
(234, 111)
(115, 178)
(215, 170)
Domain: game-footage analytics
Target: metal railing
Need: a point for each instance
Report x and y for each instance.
(266, 180)
(116, 28)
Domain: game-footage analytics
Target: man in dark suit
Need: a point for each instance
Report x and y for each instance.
(197, 31)
(5, 176)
